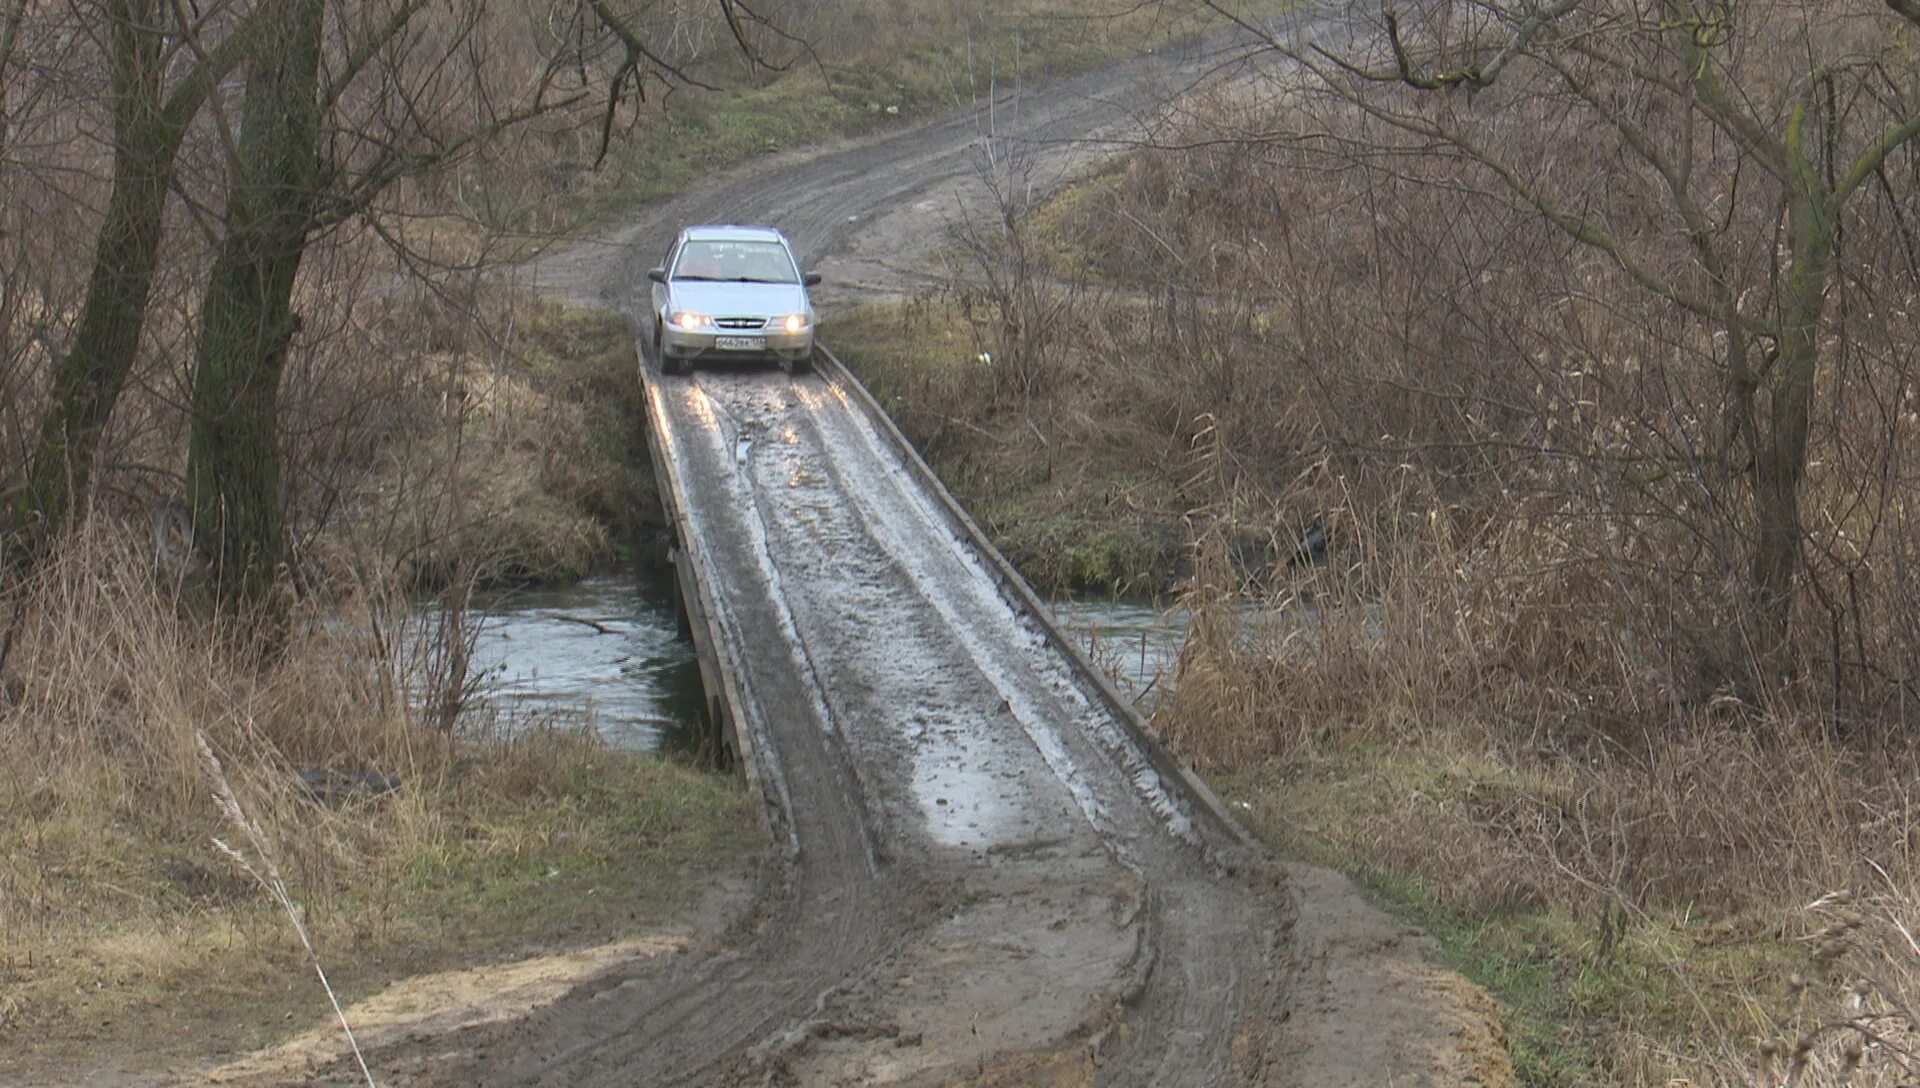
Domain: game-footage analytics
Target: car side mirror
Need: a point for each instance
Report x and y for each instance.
(811, 279)
(657, 275)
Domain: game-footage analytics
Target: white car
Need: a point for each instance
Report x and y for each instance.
(732, 293)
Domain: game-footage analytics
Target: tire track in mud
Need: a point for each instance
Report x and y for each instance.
(974, 873)
(970, 876)
(1072, 897)
(1030, 929)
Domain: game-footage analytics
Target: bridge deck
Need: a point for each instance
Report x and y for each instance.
(973, 817)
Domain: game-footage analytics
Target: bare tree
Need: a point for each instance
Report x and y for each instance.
(1743, 143)
(327, 127)
(247, 318)
(339, 102)
(163, 67)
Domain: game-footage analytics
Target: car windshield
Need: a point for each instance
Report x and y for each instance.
(735, 262)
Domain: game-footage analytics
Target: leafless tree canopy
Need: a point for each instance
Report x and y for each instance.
(141, 146)
(1651, 262)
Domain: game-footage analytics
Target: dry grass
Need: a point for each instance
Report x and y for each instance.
(114, 903)
(479, 451)
(1509, 700)
(1634, 885)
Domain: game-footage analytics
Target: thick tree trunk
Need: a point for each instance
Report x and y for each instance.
(1780, 464)
(93, 373)
(247, 318)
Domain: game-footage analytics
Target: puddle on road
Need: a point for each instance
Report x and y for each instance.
(965, 802)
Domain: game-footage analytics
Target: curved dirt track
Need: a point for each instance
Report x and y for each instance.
(868, 212)
(980, 876)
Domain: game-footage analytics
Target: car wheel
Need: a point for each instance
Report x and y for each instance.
(668, 364)
(802, 365)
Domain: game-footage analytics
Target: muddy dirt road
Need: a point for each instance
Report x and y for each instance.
(869, 213)
(981, 876)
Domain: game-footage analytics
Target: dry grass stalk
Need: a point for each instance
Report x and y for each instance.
(1850, 1020)
(261, 867)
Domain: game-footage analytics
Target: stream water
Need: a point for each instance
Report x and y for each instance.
(605, 654)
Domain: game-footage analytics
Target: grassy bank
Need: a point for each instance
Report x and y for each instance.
(508, 450)
(1594, 989)
(479, 444)
(147, 950)
(1714, 907)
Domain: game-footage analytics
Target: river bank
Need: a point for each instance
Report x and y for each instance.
(437, 839)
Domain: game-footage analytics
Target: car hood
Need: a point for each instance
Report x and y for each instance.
(739, 299)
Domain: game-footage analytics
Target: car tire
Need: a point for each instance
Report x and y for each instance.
(802, 365)
(668, 364)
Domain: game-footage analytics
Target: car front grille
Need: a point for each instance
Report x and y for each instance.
(741, 322)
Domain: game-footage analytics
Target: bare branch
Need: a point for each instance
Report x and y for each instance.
(395, 163)
(367, 50)
(1471, 76)
(637, 46)
(1870, 161)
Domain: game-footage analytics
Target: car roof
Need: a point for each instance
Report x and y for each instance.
(723, 233)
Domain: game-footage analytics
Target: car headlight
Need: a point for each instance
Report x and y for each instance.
(688, 320)
(794, 323)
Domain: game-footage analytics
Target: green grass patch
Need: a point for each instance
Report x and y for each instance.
(517, 455)
(1591, 996)
(1074, 228)
(586, 359)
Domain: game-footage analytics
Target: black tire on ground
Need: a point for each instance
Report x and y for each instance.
(802, 365)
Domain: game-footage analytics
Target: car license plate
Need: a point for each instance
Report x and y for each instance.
(740, 343)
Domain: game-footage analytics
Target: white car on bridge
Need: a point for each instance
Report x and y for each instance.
(732, 293)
